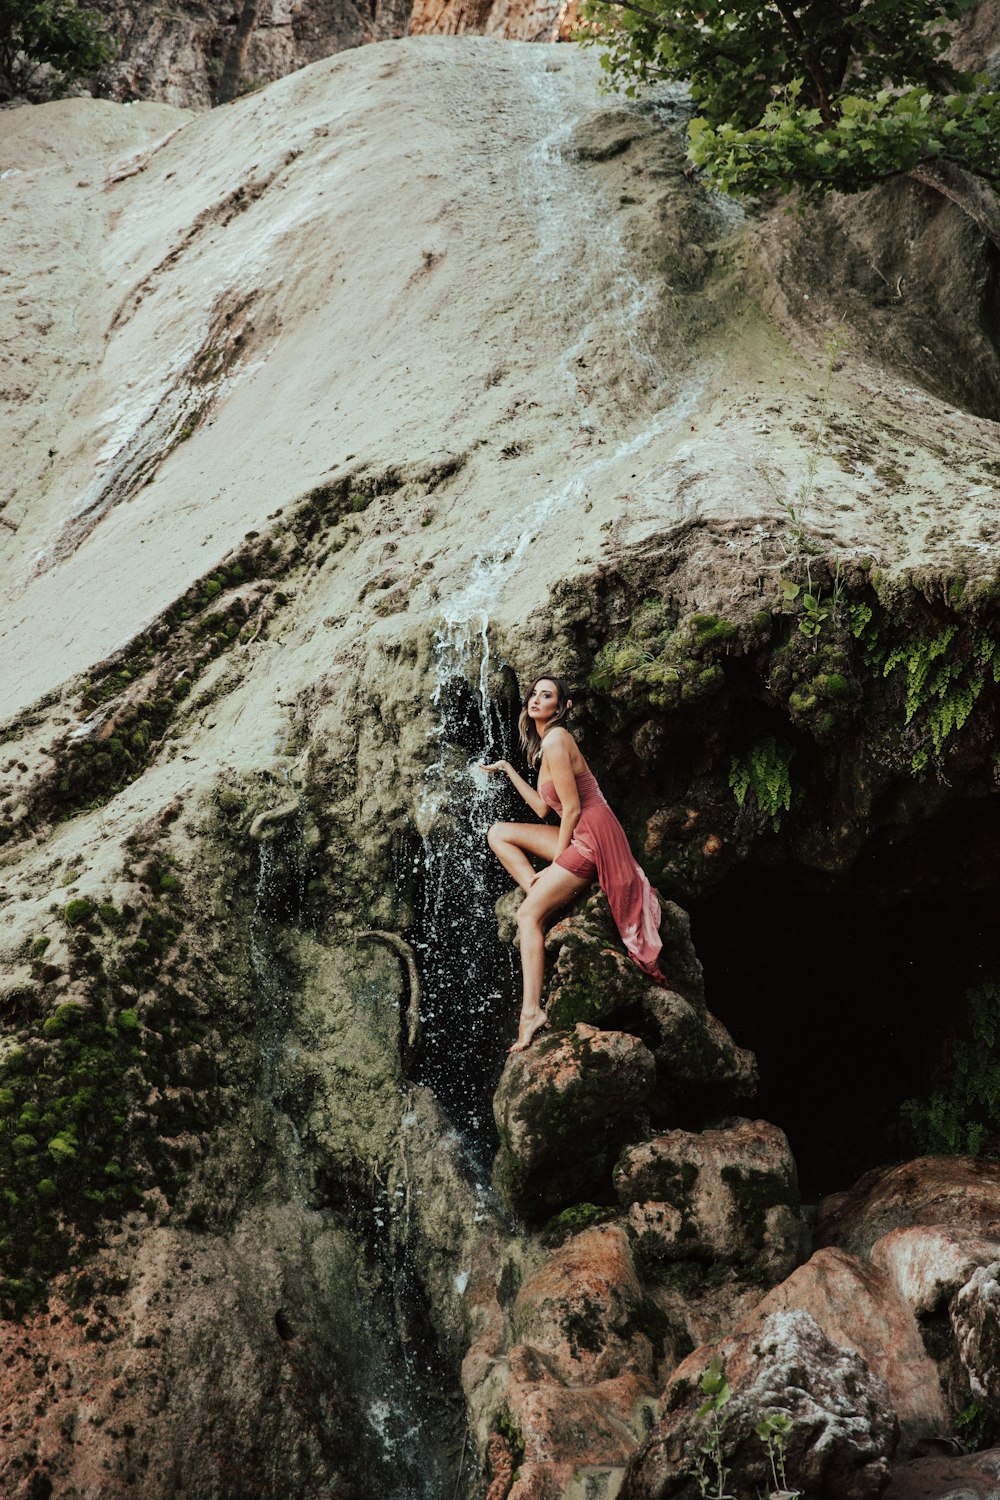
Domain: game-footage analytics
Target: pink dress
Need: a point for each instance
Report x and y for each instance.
(600, 851)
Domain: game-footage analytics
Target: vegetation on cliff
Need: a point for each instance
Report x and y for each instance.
(46, 46)
(815, 97)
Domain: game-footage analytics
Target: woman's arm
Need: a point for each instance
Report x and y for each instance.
(523, 788)
(560, 765)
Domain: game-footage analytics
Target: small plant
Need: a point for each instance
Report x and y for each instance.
(958, 1119)
(764, 773)
(813, 616)
(773, 1431)
(709, 1471)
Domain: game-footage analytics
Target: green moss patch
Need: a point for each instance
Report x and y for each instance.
(97, 1088)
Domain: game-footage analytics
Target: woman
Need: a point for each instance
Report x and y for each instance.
(589, 844)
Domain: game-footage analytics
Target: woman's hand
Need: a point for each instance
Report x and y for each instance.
(497, 765)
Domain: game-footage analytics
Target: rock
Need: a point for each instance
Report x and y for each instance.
(729, 1194)
(975, 1317)
(959, 1191)
(564, 1109)
(971, 1476)
(928, 1264)
(857, 1307)
(267, 825)
(592, 925)
(565, 1430)
(585, 1310)
(692, 1048)
(842, 1436)
(588, 982)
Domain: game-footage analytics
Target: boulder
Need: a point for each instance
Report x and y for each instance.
(564, 1109)
(692, 1048)
(564, 1430)
(967, 1476)
(928, 1264)
(857, 1307)
(726, 1195)
(959, 1191)
(591, 926)
(975, 1318)
(585, 1310)
(842, 1434)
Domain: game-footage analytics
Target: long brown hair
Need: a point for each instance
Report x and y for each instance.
(531, 742)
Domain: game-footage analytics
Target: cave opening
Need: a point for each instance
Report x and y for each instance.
(852, 988)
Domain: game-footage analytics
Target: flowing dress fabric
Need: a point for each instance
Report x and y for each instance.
(600, 849)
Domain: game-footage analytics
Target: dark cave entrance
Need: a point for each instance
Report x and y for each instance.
(852, 987)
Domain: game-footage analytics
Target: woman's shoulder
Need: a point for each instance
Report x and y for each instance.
(559, 739)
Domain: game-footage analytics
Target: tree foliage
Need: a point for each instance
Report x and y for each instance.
(828, 94)
(44, 46)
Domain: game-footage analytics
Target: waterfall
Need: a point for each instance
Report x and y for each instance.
(471, 984)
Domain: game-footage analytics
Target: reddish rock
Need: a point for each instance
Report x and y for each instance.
(969, 1476)
(564, 1109)
(729, 1195)
(564, 1430)
(843, 1430)
(857, 1307)
(521, 20)
(959, 1191)
(584, 1309)
(928, 1264)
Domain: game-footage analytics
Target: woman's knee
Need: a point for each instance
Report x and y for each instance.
(495, 835)
(528, 916)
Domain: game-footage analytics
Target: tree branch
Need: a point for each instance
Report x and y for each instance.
(968, 192)
(810, 59)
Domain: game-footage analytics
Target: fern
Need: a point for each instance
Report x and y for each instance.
(945, 678)
(765, 773)
(959, 1118)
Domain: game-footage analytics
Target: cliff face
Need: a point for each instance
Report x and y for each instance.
(339, 413)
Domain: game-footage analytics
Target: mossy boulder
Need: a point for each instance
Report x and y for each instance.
(564, 1110)
(725, 1195)
(693, 1050)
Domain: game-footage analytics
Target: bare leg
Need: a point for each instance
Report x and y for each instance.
(509, 841)
(553, 889)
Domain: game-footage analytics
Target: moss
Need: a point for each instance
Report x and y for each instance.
(664, 666)
(573, 1220)
(64, 1018)
(754, 1192)
(92, 1098)
(509, 1430)
(78, 911)
(39, 946)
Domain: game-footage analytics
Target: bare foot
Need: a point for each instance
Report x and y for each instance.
(528, 1030)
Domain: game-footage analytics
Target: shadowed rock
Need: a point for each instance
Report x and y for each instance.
(729, 1195)
(564, 1109)
(975, 1317)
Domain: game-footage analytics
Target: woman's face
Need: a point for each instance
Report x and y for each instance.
(543, 702)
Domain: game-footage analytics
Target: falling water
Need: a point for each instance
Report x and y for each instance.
(470, 981)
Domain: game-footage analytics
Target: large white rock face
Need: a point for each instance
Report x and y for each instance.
(323, 404)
